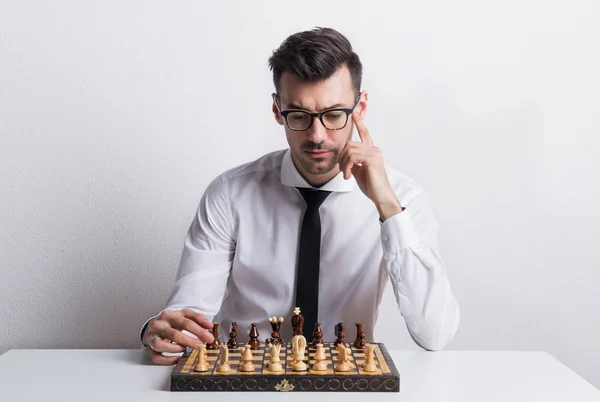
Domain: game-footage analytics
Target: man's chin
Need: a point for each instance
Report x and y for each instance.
(319, 167)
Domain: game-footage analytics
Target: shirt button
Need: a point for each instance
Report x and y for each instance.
(385, 237)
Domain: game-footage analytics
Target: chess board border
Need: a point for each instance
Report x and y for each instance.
(244, 382)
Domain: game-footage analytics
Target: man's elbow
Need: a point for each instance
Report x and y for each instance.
(436, 337)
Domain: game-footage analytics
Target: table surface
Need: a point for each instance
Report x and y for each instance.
(127, 375)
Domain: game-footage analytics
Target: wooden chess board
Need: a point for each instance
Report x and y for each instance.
(385, 379)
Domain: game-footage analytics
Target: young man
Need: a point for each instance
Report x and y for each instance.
(323, 225)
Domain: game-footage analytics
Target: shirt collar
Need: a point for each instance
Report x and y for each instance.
(291, 177)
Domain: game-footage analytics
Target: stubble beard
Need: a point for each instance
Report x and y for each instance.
(319, 166)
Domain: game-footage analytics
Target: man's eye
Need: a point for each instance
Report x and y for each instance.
(335, 115)
(298, 117)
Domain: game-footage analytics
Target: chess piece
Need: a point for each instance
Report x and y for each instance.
(339, 332)
(317, 335)
(247, 364)
(201, 365)
(216, 343)
(276, 326)
(254, 343)
(369, 366)
(298, 350)
(233, 342)
(320, 363)
(297, 321)
(274, 362)
(343, 356)
(223, 366)
(359, 343)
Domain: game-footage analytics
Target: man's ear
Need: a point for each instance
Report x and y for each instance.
(362, 104)
(276, 114)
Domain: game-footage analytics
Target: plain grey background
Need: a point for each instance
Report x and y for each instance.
(114, 116)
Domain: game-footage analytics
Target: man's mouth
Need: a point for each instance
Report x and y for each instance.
(318, 153)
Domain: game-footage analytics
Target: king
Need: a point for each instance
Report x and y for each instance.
(297, 321)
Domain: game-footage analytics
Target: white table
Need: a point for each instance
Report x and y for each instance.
(126, 375)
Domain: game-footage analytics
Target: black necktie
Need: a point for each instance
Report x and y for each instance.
(309, 256)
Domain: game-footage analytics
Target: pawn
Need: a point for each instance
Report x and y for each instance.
(254, 343)
(320, 363)
(369, 366)
(232, 343)
(247, 364)
(339, 332)
(201, 365)
(317, 335)
(359, 343)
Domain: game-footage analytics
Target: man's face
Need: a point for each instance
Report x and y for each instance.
(315, 150)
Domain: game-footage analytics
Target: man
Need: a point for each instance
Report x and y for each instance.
(261, 244)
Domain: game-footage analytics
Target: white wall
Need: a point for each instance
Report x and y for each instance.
(114, 116)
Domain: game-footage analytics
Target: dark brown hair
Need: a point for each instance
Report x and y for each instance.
(314, 56)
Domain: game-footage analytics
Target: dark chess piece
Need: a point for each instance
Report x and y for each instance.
(339, 332)
(297, 321)
(233, 342)
(360, 343)
(276, 326)
(254, 343)
(216, 343)
(317, 335)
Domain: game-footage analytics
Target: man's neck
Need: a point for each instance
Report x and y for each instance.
(316, 180)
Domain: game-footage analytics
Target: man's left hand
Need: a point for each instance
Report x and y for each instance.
(364, 161)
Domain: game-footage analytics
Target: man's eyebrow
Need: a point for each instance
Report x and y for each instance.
(334, 106)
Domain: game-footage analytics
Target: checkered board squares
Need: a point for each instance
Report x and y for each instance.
(385, 378)
(261, 359)
(212, 359)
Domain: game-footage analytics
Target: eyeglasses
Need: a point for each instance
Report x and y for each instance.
(332, 119)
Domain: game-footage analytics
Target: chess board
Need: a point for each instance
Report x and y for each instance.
(384, 379)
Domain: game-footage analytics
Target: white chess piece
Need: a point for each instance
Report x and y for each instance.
(298, 350)
(275, 362)
(223, 366)
(369, 366)
(201, 365)
(320, 363)
(343, 356)
(247, 358)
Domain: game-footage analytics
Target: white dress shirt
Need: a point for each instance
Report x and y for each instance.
(240, 254)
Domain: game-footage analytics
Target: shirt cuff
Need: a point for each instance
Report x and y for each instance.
(398, 232)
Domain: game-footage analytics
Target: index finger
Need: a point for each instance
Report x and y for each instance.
(197, 317)
(363, 133)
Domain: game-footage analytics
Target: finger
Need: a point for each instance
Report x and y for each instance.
(346, 165)
(198, 318)
(158, 358)
(162, 345)
(182, 323)
(363, 132)
(180, 338)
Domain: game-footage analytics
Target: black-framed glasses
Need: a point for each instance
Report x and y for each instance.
(332, 119)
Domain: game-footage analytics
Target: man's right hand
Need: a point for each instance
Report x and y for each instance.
(164, 334)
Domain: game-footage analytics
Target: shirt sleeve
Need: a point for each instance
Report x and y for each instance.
(418, 275)
(206, 260)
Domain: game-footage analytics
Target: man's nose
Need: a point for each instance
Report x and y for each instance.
(317, 132)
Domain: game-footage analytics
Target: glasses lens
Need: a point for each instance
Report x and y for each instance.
(298, 120)
(335, 119)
